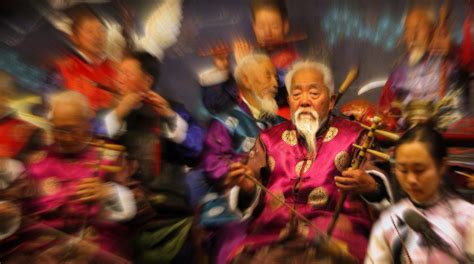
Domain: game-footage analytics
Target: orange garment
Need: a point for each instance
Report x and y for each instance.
(86, 78)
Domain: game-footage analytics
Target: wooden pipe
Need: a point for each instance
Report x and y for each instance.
(376, 153)
(350, 78)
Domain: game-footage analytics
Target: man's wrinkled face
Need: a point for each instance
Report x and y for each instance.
(90, 37)
(309, 93)
(310, 104)
(269, 27)
(418, 31)
(130, 77)
(261, 80)
(71, 128)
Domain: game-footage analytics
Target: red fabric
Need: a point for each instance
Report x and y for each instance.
(466, 53)
(15, 134)
(284, 112)
(283, 58)
(78, 75)
(387, 96)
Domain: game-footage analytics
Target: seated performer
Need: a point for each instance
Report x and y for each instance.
(304, 162)
(431, 225)
(423, 74)
(86, 68)
(232, 133)
(270, 25)
(163, 139)
(74, 214)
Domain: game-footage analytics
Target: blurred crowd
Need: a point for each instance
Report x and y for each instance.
(110, 171)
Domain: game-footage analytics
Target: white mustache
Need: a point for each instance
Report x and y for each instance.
(306, 111)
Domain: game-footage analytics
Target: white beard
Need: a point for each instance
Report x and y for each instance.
(268, 106)
(307, 125)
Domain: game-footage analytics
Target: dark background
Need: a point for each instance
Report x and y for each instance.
(342, 33)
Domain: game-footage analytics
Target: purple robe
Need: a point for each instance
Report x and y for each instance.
(219, 152)
(422, 82)
(308, 185)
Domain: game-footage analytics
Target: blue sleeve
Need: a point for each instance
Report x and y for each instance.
(192, 146)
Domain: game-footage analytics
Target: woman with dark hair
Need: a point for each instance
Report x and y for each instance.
(431, 225)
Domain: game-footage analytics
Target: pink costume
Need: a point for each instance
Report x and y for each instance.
(307, 184)
(451, 218)
(57, 178)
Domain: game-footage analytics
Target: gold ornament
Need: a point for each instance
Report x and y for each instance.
(318, 197)
(289, 136)
(342, 160)
(332, 132)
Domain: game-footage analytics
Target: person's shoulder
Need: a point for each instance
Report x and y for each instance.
(180, 109)
(284, 125)
(177, 106)
(284, 129)
(344, 125)
(462, 207)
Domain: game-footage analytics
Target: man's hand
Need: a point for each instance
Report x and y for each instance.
(241, 49)
(92, 190)
(127, 103)
(356, 181)
(221, 61)
(238, 176)
(160, 105)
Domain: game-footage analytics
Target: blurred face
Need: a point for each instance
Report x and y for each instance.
(130, 77)
(90, 37)
(71, 129)
(262, 79)
(417, 172)
(417, 31)
(269, 27)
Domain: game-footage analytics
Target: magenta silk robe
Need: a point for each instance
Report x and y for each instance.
(57, 179)
(317, 194)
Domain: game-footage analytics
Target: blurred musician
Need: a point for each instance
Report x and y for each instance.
(75, 211)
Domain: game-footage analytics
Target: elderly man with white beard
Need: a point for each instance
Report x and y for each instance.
(305, 163)
(231, 134)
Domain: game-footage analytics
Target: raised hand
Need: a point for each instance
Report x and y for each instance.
(127, 104)
(160, 105)
(241, 48)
